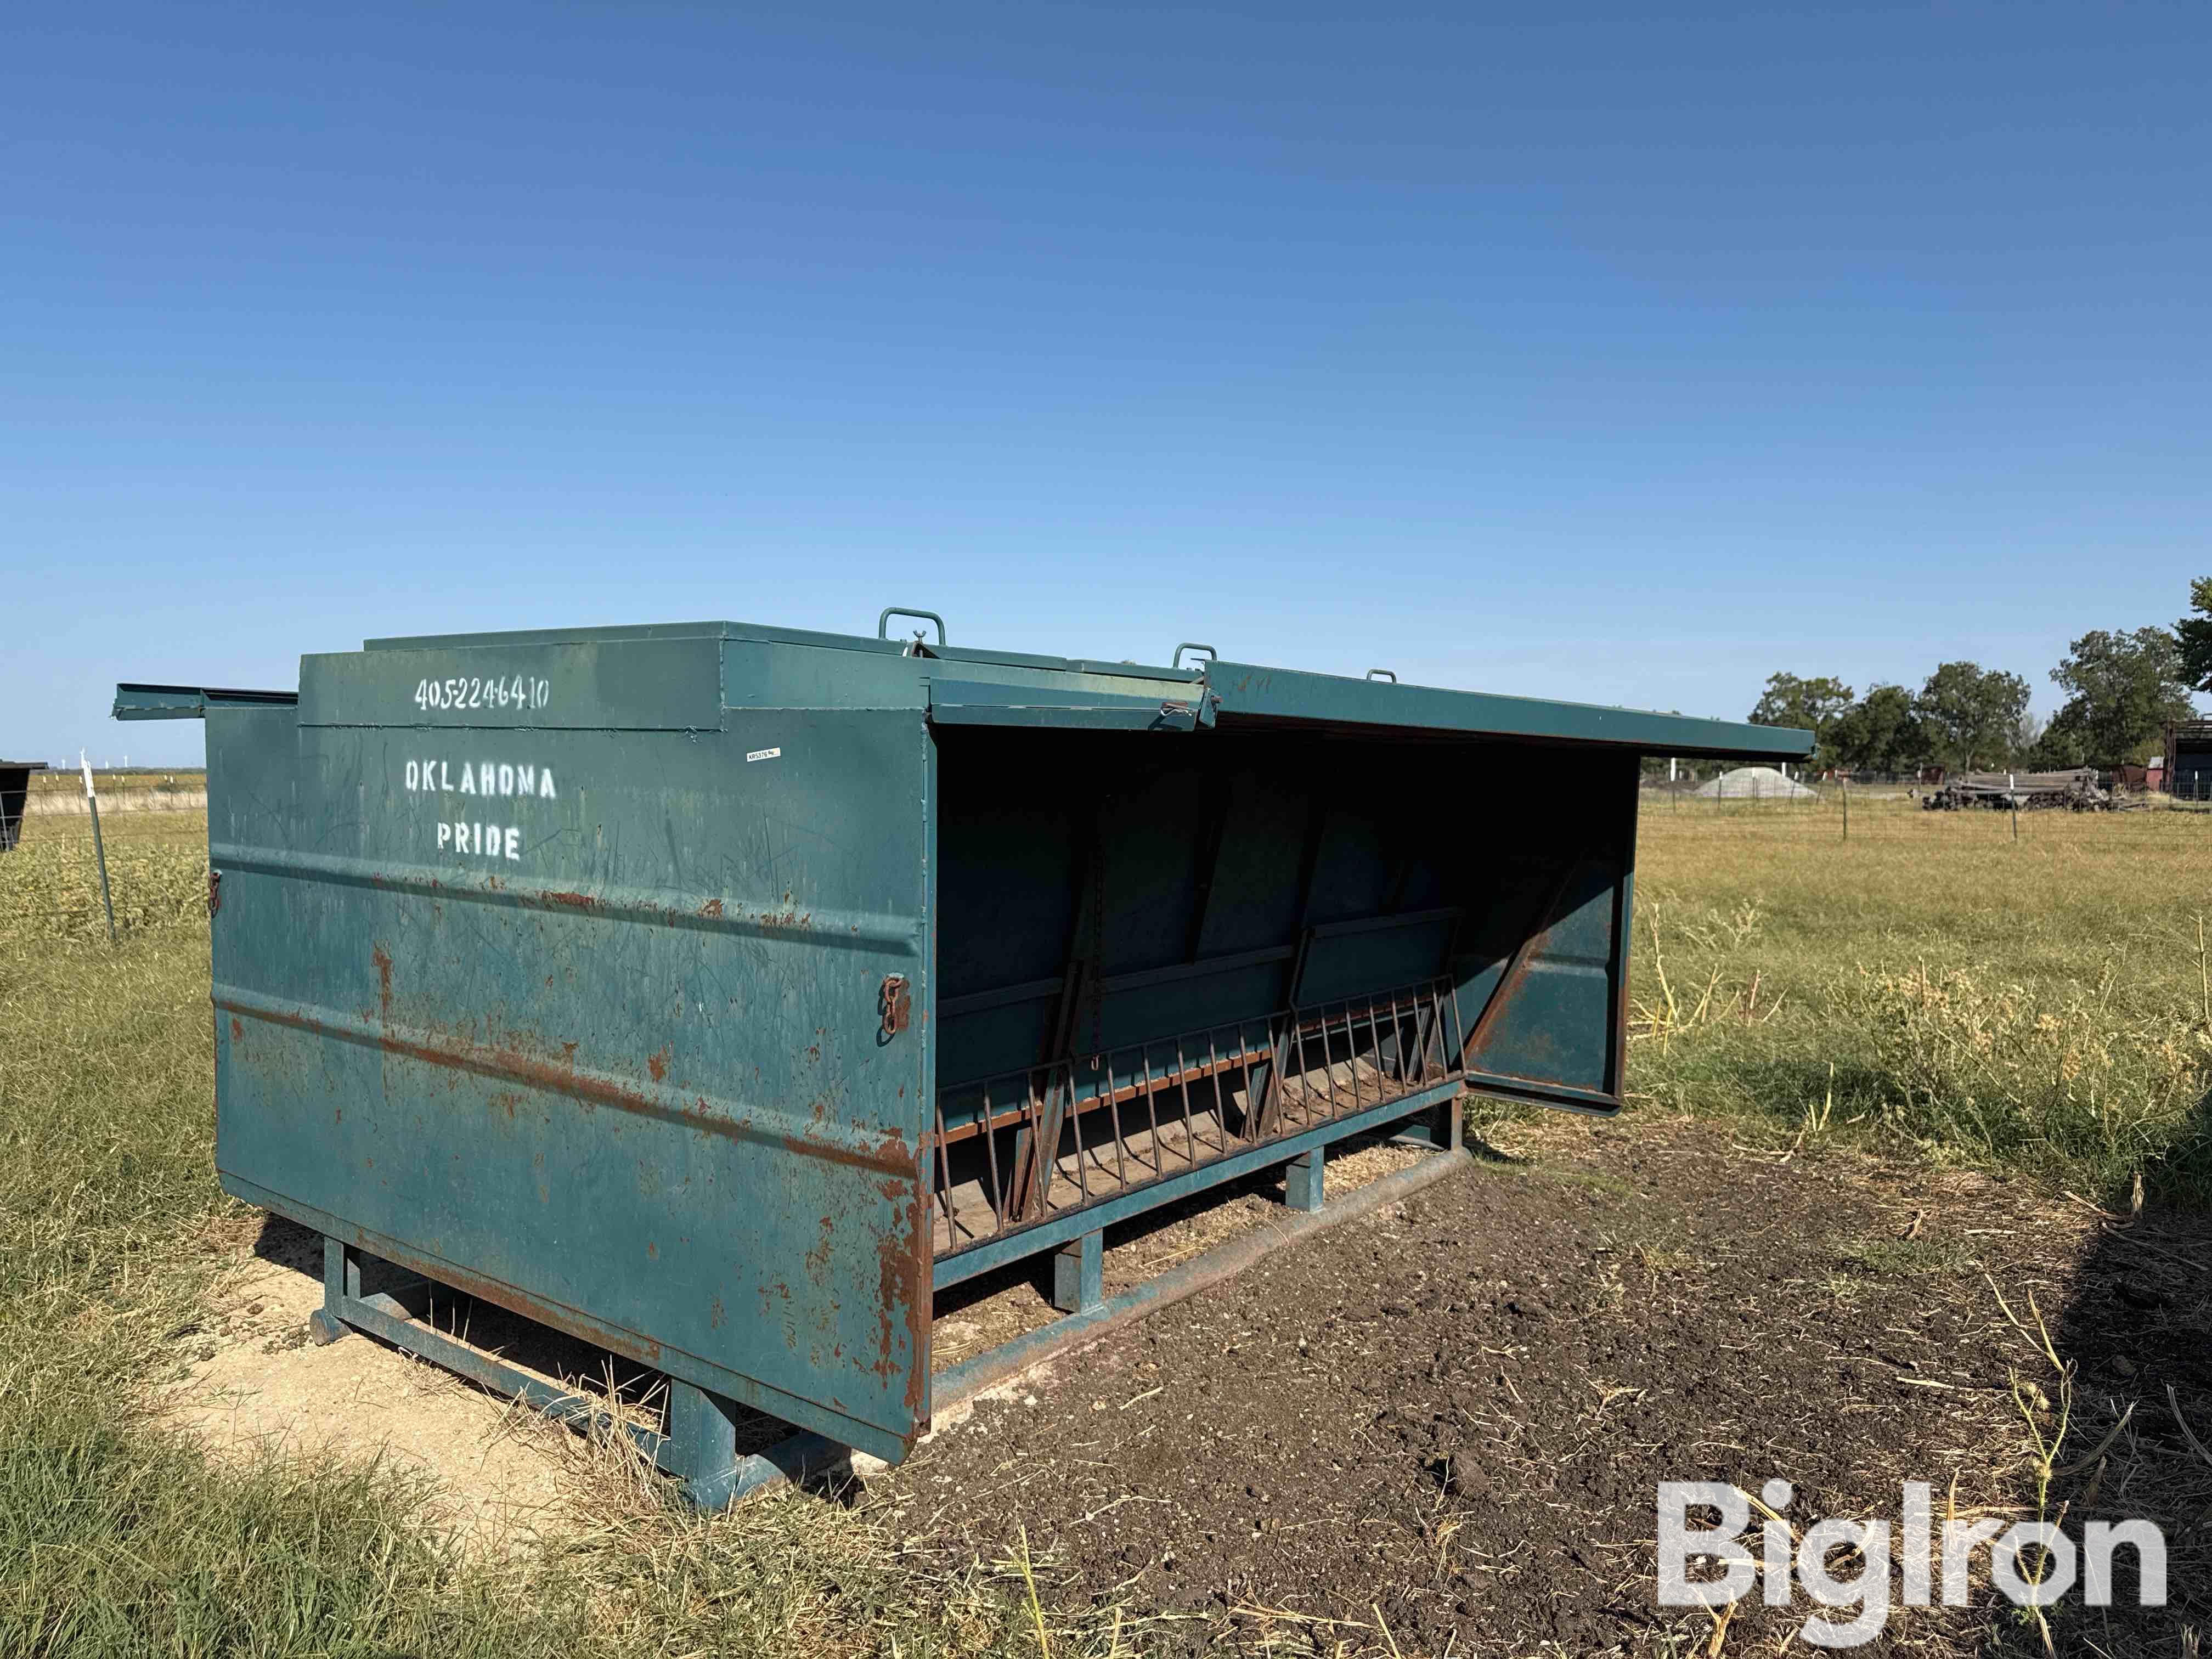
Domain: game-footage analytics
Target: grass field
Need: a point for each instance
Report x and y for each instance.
(66, 780)
(1936, 986)
(1933, 988)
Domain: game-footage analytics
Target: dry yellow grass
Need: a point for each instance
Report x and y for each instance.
(50, 884)
(2043, 1003)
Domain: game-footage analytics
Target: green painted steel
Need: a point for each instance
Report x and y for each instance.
(644, 980)
(191, 703)
(1249, 692)
(1176, 1186)
(585, 1022)
(1079, 1274)
(1131, 891)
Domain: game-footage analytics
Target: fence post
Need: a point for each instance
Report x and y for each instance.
(98, 848)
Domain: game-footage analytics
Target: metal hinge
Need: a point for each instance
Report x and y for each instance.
(895, 1004)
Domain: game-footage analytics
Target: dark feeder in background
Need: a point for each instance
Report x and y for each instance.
(715, 993)
(15, 791)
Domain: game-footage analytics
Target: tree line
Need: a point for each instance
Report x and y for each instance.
(2122, 689)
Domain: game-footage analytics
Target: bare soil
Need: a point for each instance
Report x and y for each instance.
(1441, 1428)
(249, 1377)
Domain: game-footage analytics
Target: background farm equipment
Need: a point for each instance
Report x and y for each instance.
(2076, 790)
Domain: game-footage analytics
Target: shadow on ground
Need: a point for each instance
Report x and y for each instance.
(2136, 1328)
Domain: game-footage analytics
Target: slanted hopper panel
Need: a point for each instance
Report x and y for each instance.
(1155, 950)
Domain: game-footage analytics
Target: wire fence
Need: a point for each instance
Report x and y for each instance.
(1856, 810)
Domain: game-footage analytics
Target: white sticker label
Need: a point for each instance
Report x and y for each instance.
(763, 754)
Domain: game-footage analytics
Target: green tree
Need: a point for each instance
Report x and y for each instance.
(1809, 705)
(1880, 733)
(2063, 744)
(2194, 633)
(2124, 687)
(1972, 714)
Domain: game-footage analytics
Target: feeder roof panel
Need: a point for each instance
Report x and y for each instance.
(967, 683)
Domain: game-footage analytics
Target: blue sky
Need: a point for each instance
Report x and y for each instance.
(1624, 356)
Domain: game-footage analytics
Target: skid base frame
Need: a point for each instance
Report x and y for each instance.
(699, 1446)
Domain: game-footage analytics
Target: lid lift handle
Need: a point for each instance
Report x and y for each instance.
(1211, 655)
(1382, 674)
(883, 626)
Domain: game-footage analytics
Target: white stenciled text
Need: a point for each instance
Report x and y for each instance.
(489, 840)
(501, 778)
(458, 834)
(512, 692)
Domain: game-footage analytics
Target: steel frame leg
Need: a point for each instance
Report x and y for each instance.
(1304, 1178)
(702, 1443)
(341, 1281)
(1440, 1128)
(1078, 1274)
(700, 1448)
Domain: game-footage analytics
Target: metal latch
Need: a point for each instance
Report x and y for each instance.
(895, 1003)
(214, 892)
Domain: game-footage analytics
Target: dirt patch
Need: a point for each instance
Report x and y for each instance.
(995, 1307)
(250, 1378)
(1442, 1427)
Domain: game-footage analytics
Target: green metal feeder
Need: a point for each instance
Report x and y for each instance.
(717, 993)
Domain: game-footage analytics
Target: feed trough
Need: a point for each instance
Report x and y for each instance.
(718, 993)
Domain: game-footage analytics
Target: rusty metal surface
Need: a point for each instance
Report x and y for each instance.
(627, 1079)
(1027, 1146)
(896, 1001)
